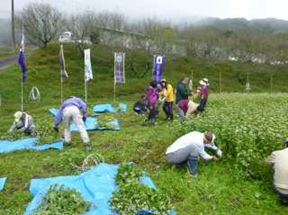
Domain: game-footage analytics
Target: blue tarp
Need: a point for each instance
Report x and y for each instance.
(104, 108)
(2, 183)
(90, 124)
(96, 186)
(28, 143)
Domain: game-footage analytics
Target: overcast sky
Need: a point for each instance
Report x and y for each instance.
(168, 9)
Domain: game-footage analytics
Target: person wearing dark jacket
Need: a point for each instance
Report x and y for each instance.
(182, 92)
(140, 107)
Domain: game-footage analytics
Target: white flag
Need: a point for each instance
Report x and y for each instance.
(88, 69)
(63, 71)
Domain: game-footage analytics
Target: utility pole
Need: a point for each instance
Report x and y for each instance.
(12, 24)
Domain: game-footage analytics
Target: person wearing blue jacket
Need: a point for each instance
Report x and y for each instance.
(70, 111)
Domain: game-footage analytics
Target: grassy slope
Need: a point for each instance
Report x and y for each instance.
(218, 190)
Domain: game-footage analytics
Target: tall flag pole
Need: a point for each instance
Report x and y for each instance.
(21, 62)
(88, 74)
(119, 70)
(63, 73)
(158, 67)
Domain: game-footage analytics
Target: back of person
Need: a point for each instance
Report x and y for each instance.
(191, 140)
(181, 92)
(183, 104)
(281, 169)
(73, 101)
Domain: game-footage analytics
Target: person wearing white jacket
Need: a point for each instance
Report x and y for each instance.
(279, 160)
(188, 149)
(23, 122)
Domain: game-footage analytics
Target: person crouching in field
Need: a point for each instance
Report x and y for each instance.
(140, 107)
(70, 112)
(186, 108)
(279, 161)
(23, 122)
(188, 149)
(204, 91)
(152, 97)
(167, 91)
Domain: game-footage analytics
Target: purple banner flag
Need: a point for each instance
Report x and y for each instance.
(158, 67)
(21, 60)
(119, 68)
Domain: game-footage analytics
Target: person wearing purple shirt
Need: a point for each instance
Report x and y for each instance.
(152, 94)
(70, 111)
(203, 94)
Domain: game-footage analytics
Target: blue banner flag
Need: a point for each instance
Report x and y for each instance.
(158, 67)
(119, 68)
(21, 60)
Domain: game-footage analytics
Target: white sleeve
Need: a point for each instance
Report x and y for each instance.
(204, 154)
(271, 158)
(211, 146)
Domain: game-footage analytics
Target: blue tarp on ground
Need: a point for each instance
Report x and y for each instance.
(104, 108)
(2, 183)
(95, 185)
(28, 143)
(90, 124)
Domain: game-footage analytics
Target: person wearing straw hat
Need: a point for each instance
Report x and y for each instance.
(188, 149)
(23, 122)
(279, 160)
(204, 91)
(69, 111)
(186, 108)
(167, 91)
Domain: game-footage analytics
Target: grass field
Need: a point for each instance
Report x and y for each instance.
(238, 184)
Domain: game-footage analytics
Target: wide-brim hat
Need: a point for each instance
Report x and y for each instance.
(203, 83)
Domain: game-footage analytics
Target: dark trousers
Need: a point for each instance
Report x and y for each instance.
(283, 197)
(192, 163)
(152, 113)
(168, 109)
(202, 105)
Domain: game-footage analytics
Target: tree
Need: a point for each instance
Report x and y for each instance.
(41, 22)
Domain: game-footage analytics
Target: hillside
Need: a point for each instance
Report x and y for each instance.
(240, 182)
(43, 72)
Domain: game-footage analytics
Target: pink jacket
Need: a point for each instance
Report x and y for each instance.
(152, 95)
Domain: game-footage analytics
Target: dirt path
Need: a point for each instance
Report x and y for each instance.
(7, 61)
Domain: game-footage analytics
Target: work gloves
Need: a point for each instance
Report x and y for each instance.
(219, 153)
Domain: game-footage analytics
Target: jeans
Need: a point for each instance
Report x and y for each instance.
(282, 196)
(181, 114)
(192, 163)
(168, 109)
(152, 113)
(202, 105)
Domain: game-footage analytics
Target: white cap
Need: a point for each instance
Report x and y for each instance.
(18, 116)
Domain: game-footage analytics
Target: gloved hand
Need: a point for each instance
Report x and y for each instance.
(56, 129)
(219, 153)
(84, 119)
